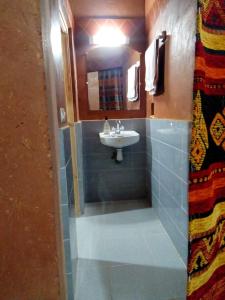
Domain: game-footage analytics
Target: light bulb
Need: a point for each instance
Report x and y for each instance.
(109, 37)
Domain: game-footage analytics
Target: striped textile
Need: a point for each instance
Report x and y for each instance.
(111, 89)
(206, 262)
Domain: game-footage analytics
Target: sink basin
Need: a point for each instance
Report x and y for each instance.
(118, 141)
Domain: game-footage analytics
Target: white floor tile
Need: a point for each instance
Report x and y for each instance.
(130, 256)
(164, 253)
(127, 249)
(124, 283)
(92, 281)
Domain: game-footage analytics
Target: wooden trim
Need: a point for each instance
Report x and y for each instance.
(69, 99)
(75, 170)
(73, 72)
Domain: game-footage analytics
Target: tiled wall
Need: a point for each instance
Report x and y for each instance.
(167, 159)
(106, 180)
(67, 199)
(157, 165)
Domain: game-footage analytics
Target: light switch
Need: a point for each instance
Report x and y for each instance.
(62, 115)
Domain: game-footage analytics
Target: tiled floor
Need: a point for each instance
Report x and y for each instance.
(102, 208)
(127, 256)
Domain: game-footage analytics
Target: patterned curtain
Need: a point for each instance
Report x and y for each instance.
(111, 89)
(206, 267)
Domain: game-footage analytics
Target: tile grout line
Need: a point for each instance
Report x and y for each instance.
(162, 165)
(168, 145)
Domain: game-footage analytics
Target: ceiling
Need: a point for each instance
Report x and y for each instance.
(108, 8)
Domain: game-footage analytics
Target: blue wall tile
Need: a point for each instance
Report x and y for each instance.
(168, 131)
(79, 141)
(148, 146)
(105, 185)
(67, 144)
(65, 219)
(155, 203)
(184, 197)
(154, 167)
(61, 148)
(69, 176)
(139, 147)
(106, 180)
(91, 129)
(63, 186)
(81, 195)
(104, 161)
(66, 188)
(138, 125)
(80, 162)
(178, 239)
(70, 286)
(174, 210)
(155, 149)
(138, 160)
(71, 200)
(186, 137)
(171, 183)
(92, 145)
(67, 253)
(167, 160)
(154, 186)
(170, 158)
(66, 170)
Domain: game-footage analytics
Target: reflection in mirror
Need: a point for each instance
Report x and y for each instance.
(113, 77)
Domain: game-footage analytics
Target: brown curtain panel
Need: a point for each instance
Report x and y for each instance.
(206, 266)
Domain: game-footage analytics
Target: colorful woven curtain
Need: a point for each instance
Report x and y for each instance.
(206, 267)
(111, 89)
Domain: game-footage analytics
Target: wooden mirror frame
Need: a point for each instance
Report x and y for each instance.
(134, 29)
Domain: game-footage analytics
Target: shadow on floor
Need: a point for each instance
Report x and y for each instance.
(104, 280)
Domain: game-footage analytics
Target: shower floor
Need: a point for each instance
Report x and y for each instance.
(126, 255)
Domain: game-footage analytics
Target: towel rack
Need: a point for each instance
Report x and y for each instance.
(163, 36)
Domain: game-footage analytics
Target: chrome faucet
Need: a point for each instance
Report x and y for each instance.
(119, 127)
(118, 123)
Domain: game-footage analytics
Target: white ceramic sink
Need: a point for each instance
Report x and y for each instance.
(118, 141)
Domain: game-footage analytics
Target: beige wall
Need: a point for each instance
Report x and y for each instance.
(108, 8)
(177, 17)
(30, 254)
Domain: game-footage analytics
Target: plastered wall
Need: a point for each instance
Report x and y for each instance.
(30, 254)
(177, 17)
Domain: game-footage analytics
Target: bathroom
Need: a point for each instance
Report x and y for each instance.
(112, 172)
(129, 216)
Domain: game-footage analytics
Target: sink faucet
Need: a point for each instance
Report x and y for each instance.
(119, 127)
(118, 123)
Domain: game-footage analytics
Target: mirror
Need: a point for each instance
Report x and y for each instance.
(113, 78)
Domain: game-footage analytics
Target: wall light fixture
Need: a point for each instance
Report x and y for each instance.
(109, 36)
